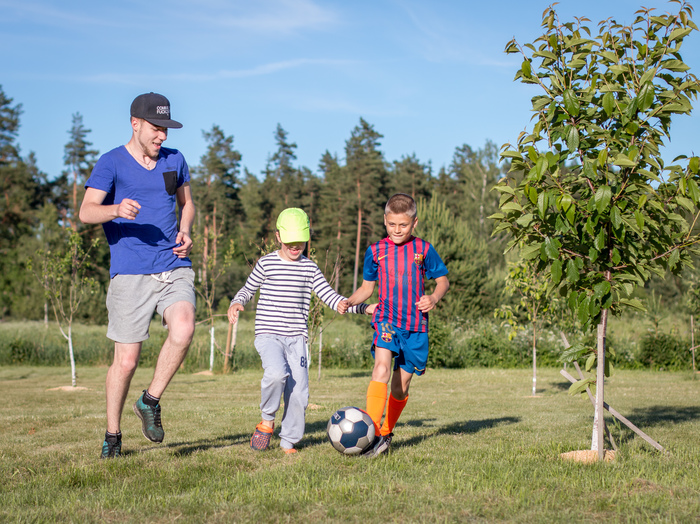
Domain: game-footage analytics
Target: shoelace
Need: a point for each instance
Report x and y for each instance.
(156, 415)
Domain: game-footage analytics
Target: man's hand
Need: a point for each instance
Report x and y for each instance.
(128, 209)
(233, 312)
(184, 245)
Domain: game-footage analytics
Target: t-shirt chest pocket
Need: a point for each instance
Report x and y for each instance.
(170, 181)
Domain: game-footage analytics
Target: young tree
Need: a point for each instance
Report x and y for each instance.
(62, 275)
(218, 212)
(533, 300)
(601, 228)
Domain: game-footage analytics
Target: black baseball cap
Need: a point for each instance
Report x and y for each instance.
(154, 108)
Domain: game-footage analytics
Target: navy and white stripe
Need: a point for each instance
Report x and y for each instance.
(285, 294)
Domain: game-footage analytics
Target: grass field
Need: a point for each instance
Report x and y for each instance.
(472, 445)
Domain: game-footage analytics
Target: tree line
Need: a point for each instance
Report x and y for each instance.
(236, 212)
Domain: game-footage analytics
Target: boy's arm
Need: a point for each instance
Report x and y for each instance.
(362, 293)
(427, 302)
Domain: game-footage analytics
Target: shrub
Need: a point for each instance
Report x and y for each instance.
(664, 352)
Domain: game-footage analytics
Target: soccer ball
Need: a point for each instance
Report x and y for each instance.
(350, 430)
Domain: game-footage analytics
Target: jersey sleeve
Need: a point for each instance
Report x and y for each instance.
(434, 266)
(370, 270)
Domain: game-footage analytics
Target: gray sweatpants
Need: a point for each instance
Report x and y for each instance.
(285, 362)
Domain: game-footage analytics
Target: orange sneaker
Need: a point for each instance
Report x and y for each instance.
(289, 451)
(261, 437)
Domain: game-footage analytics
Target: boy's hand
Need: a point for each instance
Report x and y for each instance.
(233, 312)
(370, 309)
(343, 306)
(426, 303)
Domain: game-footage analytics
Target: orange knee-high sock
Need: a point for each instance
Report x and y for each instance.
(376, 400)
(393, 412)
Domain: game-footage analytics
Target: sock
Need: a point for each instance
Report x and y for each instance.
(113, 437)
(393, 412)
(150, 400)
(376, 399)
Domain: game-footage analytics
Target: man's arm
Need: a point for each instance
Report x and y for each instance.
(186, 203)
(93, 212)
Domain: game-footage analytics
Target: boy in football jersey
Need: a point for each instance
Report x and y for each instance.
(399, 264)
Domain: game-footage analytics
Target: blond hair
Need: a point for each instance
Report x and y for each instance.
(401, 204)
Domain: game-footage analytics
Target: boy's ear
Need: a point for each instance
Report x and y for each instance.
(415, 223)
(277, 236)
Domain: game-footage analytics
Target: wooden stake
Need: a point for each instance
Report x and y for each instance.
(619, 417)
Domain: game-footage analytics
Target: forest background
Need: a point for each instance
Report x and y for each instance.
(344, 198)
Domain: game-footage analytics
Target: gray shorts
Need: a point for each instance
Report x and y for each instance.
(132, 299)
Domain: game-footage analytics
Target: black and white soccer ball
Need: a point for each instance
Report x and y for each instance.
(351, 430)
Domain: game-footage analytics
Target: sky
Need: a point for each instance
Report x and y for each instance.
(428, 75)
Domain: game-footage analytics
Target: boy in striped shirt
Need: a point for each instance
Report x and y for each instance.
(286, 279)
(399, 263)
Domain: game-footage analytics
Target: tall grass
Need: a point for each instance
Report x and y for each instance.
(471, 446)
(637, 344)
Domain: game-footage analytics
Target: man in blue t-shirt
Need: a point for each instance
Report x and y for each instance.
(135, 192)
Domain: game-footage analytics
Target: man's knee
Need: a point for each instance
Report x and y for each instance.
(126, 363)
(180, 321)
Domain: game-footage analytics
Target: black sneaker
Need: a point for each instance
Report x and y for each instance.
(379, 447)
(111, 449)
(150, 420)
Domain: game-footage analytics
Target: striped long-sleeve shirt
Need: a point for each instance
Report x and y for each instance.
(285, 295)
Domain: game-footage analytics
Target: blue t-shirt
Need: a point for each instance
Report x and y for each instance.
(145, 245)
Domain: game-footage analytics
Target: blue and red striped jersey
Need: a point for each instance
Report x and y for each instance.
(400, 273)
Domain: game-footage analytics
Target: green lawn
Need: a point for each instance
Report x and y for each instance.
(472, 445)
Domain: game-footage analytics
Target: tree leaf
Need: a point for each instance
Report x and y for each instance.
(572, 138)
(572, 274)
(542, 203)
(525, 220)
(590, 361)
(571, 103)
(530, 251)
(556, 271)
(608, 103)
(623, 161)
(550, 249)
(602, 198)
(615, 217)
(645, 97)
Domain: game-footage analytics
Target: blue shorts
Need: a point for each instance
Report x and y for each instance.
(410, 348)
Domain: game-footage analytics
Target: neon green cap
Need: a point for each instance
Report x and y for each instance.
(293, 225)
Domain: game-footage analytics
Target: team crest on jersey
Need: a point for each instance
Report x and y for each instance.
(386, 337)
(418, 258)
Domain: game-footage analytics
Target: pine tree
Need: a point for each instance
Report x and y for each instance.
(409, 176)
(79, 160)
(366, 169)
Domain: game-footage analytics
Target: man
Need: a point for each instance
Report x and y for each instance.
(134, 191)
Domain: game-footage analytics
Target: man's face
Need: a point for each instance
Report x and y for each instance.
(149, 137)
(399, 227)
